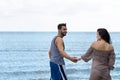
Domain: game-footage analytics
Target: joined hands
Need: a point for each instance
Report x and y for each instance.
(76, 59)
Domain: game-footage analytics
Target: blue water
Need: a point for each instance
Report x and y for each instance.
(24, 55)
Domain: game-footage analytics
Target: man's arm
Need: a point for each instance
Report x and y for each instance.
(49, 53)
(59, 44)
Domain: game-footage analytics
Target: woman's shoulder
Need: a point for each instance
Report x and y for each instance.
(95, 43)
(100, 46)
(111, 47)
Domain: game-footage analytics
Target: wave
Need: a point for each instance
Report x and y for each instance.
(23, 50)
(25, 75)
(22, 73)
(73, 74)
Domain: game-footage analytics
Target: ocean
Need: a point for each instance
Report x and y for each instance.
(24, 55)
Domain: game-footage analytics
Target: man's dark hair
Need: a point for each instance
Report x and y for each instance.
(60, 25)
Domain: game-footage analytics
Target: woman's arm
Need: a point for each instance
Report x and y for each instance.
(88, 55)
(112, 60)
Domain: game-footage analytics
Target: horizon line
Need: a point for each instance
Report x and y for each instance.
(54, 31)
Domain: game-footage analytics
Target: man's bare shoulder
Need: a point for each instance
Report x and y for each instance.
(58, 40)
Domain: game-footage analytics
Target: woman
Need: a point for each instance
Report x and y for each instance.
(102, 54)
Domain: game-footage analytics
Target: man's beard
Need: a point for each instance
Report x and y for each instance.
(63, 34)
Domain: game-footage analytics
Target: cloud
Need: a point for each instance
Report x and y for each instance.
(78, 14)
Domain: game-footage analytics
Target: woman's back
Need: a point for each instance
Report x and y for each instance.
(102, 54)
(102, 60)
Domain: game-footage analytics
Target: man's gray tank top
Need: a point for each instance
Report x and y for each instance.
(55, 54)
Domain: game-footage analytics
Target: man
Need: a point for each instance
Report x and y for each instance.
(57, 53)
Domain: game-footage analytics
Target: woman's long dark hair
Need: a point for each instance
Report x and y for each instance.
(104, 35)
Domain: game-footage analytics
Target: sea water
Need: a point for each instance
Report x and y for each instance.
(24, 55)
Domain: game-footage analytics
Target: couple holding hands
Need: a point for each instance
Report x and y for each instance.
(101, 52)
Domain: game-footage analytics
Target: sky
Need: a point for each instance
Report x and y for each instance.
(45, 15)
